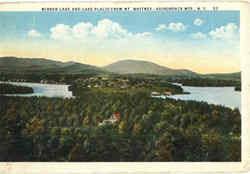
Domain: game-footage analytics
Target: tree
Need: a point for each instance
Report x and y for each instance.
(233, 149)
(35, 130)
(86, 120)
(137, 128)
(165, 147)
(76, 153)
(212, 146)
(12, 142)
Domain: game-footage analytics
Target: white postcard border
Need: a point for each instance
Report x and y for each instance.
(154, 167)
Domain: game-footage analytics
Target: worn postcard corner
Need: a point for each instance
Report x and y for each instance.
(104, 87)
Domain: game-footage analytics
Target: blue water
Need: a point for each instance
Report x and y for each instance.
(225, 96)
(44, 90)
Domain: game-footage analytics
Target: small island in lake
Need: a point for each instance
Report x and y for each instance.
(14, 89)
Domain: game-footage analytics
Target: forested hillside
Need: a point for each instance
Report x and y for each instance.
(10, 65)
(83, 128)
(13, 89)
(148, 129)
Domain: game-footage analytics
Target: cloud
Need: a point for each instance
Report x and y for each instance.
(198, 22)
(175, 27)
(61, 32)
(82, 30)
(142, 35)
(199, 35)
(227, 32)
(161, 27)
(105, 29)
(33, 33)
(109, 29)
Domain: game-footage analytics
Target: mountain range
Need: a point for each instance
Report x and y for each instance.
(42, 65)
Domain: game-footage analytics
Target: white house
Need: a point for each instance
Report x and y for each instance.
(111, 120)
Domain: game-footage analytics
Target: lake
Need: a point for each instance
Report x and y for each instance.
(44, 90)
(225, 96)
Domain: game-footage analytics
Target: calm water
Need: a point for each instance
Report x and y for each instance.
(44, 90)
(225, 96)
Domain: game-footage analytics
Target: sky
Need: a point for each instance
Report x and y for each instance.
(204, 41)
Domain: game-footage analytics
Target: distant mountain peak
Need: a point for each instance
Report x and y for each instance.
(130, 66)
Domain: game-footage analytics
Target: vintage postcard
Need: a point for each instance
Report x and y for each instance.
(124, 87)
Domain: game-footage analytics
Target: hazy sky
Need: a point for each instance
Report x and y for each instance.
(204, 42)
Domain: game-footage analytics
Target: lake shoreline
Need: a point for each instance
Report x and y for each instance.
(225, 96)
(211, 95)
(43, 90)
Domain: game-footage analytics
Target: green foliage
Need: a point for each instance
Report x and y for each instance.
(13, 89)
(148, 129)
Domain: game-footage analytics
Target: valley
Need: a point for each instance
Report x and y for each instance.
(58, 127)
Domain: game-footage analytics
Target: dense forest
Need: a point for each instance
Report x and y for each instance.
(14, 89)
(148, 129)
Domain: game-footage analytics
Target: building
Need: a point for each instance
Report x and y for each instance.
(114, 118)
(155, 93)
